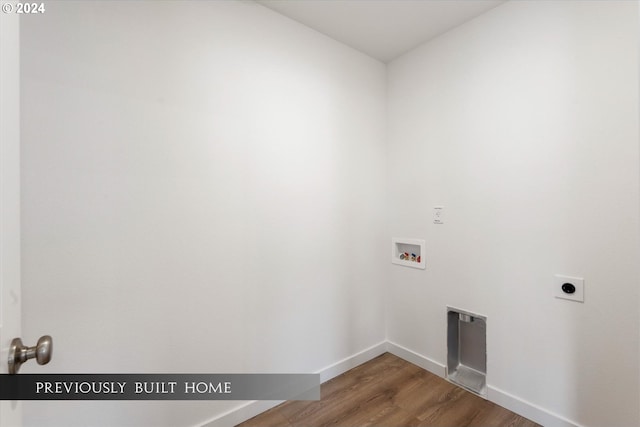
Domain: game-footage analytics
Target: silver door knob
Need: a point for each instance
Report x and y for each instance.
(19, 353)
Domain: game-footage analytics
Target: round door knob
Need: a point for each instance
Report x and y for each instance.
(44, 348)
(19, 353)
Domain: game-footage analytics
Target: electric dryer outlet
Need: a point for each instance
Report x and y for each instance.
(567, 287)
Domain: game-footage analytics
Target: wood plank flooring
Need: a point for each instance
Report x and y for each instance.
(389, 391)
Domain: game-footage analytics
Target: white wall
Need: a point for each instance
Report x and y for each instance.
(523, 123)
(201, 193)
(207, 176)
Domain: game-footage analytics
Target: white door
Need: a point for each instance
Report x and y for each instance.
(10, 412)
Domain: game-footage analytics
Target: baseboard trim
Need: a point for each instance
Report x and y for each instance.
(240, 414)
(417, 359)
(527, 409)
(351, 362)
(500, 397)
(249, 410)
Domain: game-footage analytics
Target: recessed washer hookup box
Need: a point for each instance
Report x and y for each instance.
(408, 252)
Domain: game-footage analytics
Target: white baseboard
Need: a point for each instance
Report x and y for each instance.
(351, 362)
(527, 409)
(241, 413)
(499, 397)
(513, 403)
(249, 410)
(417, 359)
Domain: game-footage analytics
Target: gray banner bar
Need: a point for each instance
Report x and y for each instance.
(160, 387)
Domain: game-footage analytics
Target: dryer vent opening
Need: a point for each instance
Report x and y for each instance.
(467, 350)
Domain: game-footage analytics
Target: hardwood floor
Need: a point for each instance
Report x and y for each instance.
(388, 391)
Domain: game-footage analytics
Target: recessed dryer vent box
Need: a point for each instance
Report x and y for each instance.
(408, 252)
(467, 350)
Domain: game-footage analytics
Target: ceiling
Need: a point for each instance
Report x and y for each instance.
(383, 29)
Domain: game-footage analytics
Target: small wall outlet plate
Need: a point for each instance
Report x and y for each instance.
(438, 214)
(567, 287)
